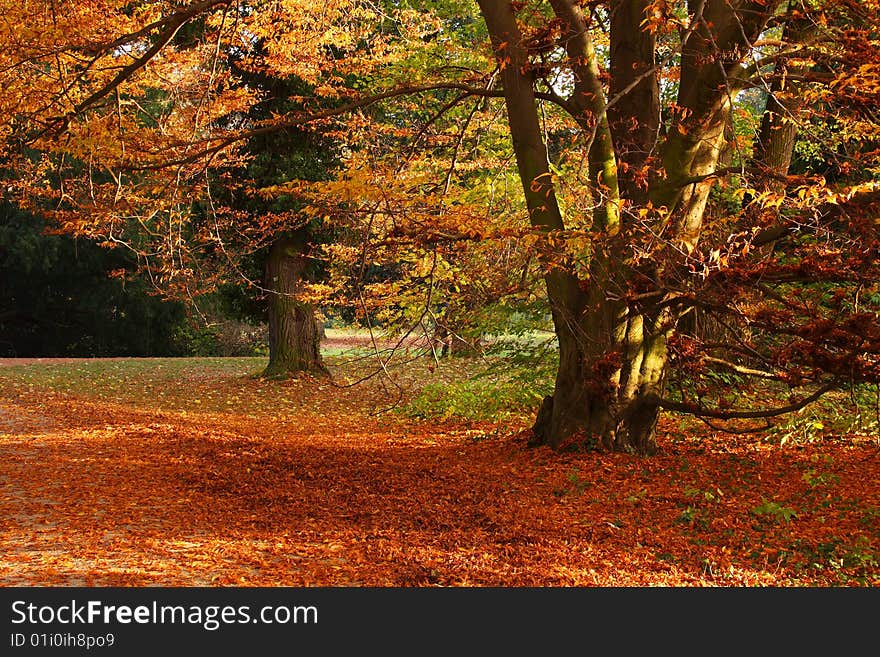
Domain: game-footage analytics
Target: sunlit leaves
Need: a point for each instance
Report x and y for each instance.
(190, 473)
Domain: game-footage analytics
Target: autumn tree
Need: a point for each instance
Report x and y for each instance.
(288, 261)
(156, 128)
(651, 171)
(433, 243)
(673, 200)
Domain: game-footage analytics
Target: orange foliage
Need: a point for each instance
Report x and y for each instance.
(225, 480)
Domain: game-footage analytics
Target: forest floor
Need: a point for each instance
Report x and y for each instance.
(193, 472)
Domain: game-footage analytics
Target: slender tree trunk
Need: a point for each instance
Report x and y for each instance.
(634, 118)
(779, 123)
(449, 335)
(294, 338)
(778, 132)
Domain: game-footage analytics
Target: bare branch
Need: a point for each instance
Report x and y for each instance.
(741, 369)
(699, 411)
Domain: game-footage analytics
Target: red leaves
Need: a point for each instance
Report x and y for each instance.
(297, 484)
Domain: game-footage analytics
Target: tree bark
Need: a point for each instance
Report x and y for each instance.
(294, 338)
(612, 342)
(611, 359)
(609, 382)
(634, 118)
(779, 123)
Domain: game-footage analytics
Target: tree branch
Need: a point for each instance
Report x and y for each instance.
(171, 25)
(740, 369)
(698, 411)
(224, 141)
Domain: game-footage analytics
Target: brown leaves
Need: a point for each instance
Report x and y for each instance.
(297, 484)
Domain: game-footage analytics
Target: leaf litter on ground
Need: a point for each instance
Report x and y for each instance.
(194, 472)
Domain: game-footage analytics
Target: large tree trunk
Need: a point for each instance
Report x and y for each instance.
(609, 381)
(611, 360)
(294, 338)
(613, 327)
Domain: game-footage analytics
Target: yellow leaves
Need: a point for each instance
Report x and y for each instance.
(341, 252)
(316, 293)
(430, 264)
(853, 191)
(717, 258)
(307, 39)
(661, 18)
(744, 190)
(270, 192)
(770, 199)
(542, 184)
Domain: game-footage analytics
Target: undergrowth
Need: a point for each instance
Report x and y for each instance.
(505, 383)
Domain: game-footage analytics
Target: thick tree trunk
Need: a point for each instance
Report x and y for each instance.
(612, 347)
(294, 338)
(611, 367)
(609, 382)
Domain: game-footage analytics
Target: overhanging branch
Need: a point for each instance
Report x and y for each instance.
(225, 141)
(718, 414)
(169, 25)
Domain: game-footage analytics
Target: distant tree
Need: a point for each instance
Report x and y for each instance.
(288, 262)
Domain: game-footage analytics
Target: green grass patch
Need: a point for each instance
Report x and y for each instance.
(494, 389)
(472, 400)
